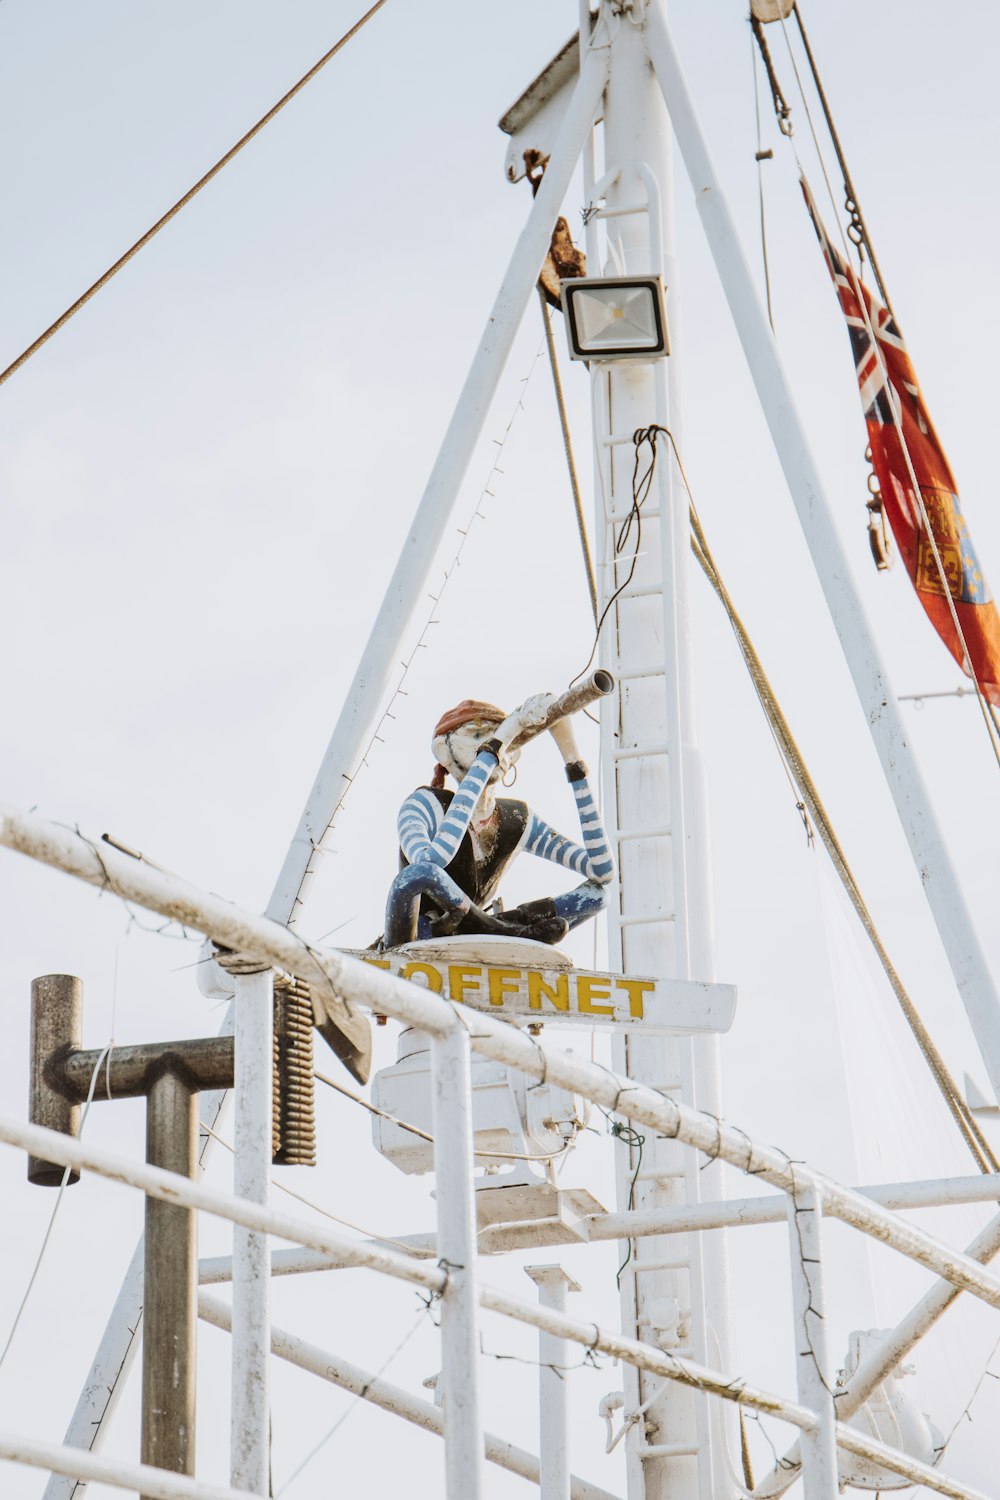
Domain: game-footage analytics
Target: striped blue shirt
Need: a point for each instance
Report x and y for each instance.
(428, 833)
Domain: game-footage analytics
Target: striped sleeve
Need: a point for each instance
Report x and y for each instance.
(592, 859)
(426, 832)
(417, 824)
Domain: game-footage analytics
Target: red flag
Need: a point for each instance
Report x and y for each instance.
(905, 448)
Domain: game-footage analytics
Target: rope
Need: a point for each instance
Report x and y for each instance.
(761, 157)
(574, 483)
(965, 1120)
(171, 213)
(989, 718)
(860, 235)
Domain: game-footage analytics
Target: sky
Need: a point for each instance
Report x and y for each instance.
(205, 480)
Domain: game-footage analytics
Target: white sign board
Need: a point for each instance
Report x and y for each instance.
(561, 994)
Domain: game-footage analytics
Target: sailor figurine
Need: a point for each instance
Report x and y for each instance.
(455, 846)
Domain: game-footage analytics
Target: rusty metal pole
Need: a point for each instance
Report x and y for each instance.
(56, 1028)
(171, 1283)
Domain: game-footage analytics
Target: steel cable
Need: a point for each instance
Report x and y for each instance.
(171, 213)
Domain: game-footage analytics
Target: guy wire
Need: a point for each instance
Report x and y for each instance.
(192, 192)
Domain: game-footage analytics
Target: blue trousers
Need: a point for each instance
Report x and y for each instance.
(404, 922)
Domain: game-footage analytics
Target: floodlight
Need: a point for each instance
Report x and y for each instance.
(615, 317)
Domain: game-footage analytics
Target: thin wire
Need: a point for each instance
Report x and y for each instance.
(384, 1239)
(966, 1414)
(171, 213)
(373, 1109)
(359, 1396)
(988, 719)
(640, 494)
(852, 205)
(760, 181)
(67, 1173)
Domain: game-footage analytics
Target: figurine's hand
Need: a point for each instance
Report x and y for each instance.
(563, 733)
(531, 714)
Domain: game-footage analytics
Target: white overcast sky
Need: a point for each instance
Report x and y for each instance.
(204, 481)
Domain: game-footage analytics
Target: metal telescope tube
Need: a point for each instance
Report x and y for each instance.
(598, 685)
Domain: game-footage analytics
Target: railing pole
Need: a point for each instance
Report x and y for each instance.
(171, 1285)
(453, 1163)
(819, 1447)
(553, 1446)
(249, 1441)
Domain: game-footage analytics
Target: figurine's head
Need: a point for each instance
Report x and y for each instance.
(459, 735)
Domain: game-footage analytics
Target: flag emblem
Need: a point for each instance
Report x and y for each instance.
(918, 491)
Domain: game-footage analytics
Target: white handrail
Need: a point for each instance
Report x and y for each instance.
(337, 974)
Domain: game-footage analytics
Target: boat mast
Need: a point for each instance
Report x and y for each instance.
(662, 923)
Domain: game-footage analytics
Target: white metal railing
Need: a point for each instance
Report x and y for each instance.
(455, 1029)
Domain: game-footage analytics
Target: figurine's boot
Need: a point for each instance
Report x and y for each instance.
(536, 919)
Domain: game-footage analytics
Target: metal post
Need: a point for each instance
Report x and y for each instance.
(249, 1441)
(56, 1030)
(646, 645)
(819, 1447)
(453, 1164)
(871, 681)
(171, 1284)
(553, 1283)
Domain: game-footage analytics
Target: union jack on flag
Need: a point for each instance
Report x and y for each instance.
(907, 457)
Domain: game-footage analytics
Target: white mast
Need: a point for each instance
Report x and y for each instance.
(647, 728)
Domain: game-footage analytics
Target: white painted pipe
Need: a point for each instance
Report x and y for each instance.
(328, 971)
(102, 1390)
(553, 1404)
(392, 1398)
(882, 1361)
(927, 845)
(729, 1388)
(734, 1213)
(52, 1146)
(80, 1464)
(819, 1447)
(250, 1411)
(172, 1188)
(409, 581)
(451, 1087)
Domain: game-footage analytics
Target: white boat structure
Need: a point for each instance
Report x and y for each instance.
(611, 1280)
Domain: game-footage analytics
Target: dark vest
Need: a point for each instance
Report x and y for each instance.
(479, 880)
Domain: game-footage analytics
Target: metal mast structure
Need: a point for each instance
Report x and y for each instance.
(661, 922)
(672, 1286)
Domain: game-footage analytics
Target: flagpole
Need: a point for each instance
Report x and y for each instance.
(909, 793)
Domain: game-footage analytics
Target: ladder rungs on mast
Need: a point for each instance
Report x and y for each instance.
(639, 1268)
(642, 833)
(670, 1450)
(640, 752)
(646, 592)
(630, 921)
(617, 517)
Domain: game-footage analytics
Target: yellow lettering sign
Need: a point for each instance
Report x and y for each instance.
(462, 977)
(503, 982)
(590, 987)
(635, 988)
(429, 972)
(379, 963)
(538, 989)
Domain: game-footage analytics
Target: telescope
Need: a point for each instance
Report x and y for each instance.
(575, 698)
